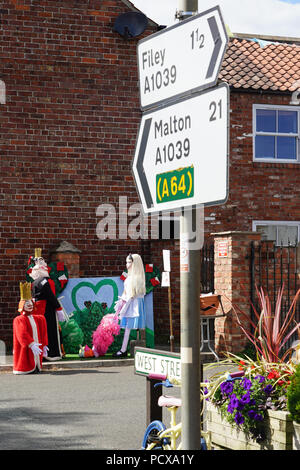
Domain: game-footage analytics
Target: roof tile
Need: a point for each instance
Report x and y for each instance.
(269, 66)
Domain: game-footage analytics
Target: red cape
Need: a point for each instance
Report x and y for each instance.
(24, 334)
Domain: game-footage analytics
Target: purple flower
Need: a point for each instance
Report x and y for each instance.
(239, 419)
(230, 408)
(245, 399)
(251, 414)
(258, 417)
(260, 378)
(240, 406)
(268, 389)
(226, 388)
(234, 401)
(247, 384)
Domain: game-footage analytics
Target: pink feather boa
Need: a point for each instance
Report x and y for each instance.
(105, 334)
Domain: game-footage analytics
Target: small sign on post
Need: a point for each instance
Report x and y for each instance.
(167, 283)
(223, 249)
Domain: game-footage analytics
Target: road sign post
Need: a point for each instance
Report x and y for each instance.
(181, 160)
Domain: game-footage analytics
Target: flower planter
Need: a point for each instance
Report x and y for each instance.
(296, 436)
(278, 428)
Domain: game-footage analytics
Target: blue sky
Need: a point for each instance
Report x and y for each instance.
(268, 17)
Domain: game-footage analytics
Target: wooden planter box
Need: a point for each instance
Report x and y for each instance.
(296, 436)
(278, 426)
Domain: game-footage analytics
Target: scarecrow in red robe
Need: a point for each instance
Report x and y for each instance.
(29, 335)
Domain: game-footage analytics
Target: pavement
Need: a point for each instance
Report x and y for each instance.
(6, 363)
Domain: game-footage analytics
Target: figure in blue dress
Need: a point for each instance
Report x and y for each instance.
(131, 306)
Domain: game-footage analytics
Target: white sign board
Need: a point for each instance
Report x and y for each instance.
(182, 58)
(167, 260)
(181, 156)
(152, 361)
(165, 279)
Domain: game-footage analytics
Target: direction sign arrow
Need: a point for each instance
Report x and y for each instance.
(181, 156)
(181, 59)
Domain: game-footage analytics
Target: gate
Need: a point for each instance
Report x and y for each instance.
(207, 269)
(273, 266)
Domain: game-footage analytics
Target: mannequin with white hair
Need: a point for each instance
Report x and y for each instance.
(131, 307)
(48, 305)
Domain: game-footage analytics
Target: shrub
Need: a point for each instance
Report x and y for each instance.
(293, 396)
(270, 333)
(72, 336)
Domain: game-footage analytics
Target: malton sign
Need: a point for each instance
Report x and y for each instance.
(181, 156)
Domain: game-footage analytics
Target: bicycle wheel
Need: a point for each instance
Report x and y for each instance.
(151, 439)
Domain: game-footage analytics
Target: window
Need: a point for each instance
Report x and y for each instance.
(282, 233)
(276, 133)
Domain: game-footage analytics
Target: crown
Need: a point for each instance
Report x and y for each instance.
(38, 252)
(25, 291)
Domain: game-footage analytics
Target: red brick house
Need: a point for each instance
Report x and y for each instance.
(67, 135)
(264, 171)
(264, 189)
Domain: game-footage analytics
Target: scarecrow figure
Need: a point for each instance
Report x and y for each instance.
(131, 306)
(29, 335)
(43, 292)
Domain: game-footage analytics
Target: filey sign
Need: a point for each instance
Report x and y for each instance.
(182, 58)
(181, 156)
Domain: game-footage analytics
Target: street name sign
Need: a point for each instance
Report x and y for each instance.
(182, 58)
(153, 361)
(181, 156)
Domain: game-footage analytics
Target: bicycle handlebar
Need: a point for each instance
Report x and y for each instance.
(170, 382)
(157, 376)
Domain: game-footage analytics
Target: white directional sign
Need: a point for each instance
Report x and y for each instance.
(181, 156)
(182, 58)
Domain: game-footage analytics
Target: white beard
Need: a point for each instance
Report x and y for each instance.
(39, 271)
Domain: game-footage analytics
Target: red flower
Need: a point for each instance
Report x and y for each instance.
(273, 375)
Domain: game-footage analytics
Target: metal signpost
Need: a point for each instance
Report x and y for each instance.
(181, 160)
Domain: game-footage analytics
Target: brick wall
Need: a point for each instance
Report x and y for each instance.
(232, 282)
(67, 135)
(257, 191)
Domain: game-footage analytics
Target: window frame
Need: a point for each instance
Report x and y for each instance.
(276, 134)
(293, 223)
